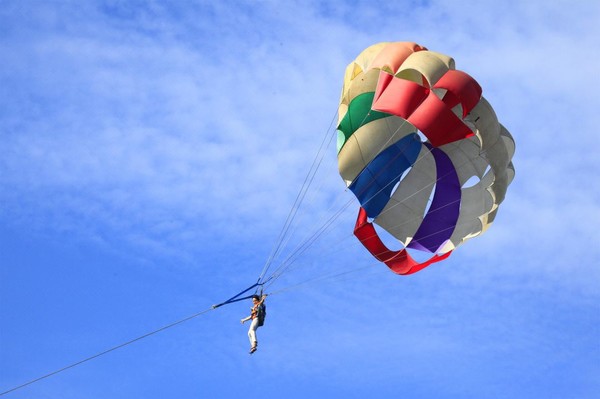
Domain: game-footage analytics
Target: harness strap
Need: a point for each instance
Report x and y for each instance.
(235, 297)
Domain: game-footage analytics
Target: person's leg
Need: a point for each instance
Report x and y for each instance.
(252, 333)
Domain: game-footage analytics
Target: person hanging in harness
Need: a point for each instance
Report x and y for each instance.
(258, 313)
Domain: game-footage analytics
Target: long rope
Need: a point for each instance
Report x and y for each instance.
(114, 348)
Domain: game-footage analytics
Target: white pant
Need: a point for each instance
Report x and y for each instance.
(252, 331)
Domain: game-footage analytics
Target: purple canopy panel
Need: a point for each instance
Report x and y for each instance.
(441, 218)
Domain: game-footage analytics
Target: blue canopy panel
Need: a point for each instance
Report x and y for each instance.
(373, 186)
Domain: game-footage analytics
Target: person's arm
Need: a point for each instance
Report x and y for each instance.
(245, 319)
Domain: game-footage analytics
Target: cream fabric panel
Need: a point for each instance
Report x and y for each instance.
(368, 141)
(404, 213)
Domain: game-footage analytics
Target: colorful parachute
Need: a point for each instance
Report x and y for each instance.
(414, 134)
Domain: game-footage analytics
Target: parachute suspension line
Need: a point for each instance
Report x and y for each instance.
(308, 241)
(299, 198)
(301, 248)
(285, 234)
(290, 261)
(304, 245)
(320, 228)
(285, 266)
(312, 238)
(334, 276)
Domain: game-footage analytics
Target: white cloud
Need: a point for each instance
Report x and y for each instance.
(157, 111)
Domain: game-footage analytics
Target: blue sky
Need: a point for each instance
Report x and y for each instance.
(151, 152)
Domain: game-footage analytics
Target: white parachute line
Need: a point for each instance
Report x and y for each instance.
(304, 245)
(307, 242)
(289, 267)
(322, 225)
(311, 238)
(331, 276)
(298, 201)
(285, 236)
(325, 223)
(287, 263)
(311, 196)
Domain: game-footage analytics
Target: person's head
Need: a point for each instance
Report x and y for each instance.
(255, 299)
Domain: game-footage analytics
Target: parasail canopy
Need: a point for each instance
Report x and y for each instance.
(422, 150)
